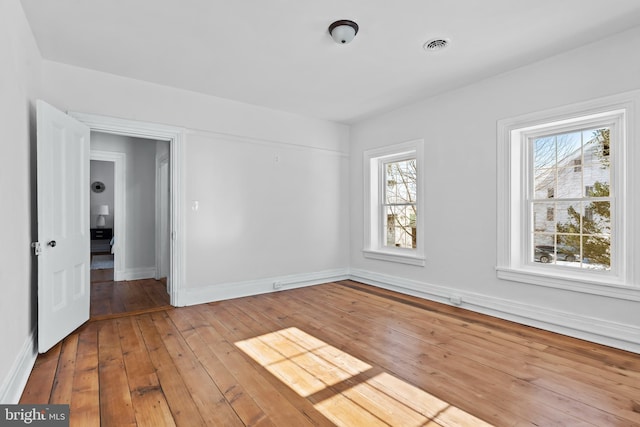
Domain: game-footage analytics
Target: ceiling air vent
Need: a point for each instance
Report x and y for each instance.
(436, 45)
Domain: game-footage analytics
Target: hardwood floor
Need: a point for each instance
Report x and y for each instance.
(101, 274)
(112, 299)
(335, 354)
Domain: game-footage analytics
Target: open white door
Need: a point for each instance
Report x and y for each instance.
(63, 225)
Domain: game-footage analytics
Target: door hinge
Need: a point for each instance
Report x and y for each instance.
(37, 249)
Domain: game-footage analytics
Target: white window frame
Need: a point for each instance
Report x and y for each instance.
(513, 216)
(374, 219)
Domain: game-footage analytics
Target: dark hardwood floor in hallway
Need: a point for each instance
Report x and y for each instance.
(114, 299)
(334, 354)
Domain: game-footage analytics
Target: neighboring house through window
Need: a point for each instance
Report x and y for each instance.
(556, 162)
(564, 196)
(393, 203)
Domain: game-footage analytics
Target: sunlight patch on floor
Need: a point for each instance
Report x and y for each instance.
(344, 388)
(301, 361)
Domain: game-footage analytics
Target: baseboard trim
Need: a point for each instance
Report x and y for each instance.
(138, 273)
(13, 385)
(260, 286)
(622, 336)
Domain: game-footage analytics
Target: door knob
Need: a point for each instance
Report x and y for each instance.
(52, 243)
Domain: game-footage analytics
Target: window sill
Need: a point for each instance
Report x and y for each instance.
(402, 258)
(588, 285)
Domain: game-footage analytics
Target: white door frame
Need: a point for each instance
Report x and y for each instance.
(119, 207)
(162, 239)
(175, 137)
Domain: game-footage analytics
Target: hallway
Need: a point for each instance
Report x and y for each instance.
(111, 299)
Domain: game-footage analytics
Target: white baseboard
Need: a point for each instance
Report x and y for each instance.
(259, 286)
(13, 385)
(622, 336)
(138, 273)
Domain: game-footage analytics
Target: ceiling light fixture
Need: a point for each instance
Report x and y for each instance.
(343, 31)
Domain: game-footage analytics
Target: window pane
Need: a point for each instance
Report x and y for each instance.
(569, 149)
(597, 252)
(567, 250)
(540, 252)
(597, 218)
(544, 215)
(400, 180)
(596, 184)
(597, 147)
(544, 182)
(400, 226)
(543, 246)
(568, 217)
(570, 182)
(544, 152)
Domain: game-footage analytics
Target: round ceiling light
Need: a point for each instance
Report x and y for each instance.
(435, 45)
(343, 31)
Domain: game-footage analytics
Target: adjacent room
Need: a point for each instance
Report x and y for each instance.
(346, 214)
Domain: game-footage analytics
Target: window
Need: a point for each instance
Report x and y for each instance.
(393, 200)
(577, 165)
(582, 227)
(564, 204)
(550, 214)
(400, 202)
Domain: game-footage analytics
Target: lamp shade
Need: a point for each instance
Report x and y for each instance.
(102, 210)
(343, 31)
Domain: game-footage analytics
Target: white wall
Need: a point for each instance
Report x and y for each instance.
(271, 187)
(140, 200)
(88, 91)
(264, 210)
(459, 129)
(103, 172)
(19, 86)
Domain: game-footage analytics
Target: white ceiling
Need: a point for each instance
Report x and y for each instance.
(278, 53)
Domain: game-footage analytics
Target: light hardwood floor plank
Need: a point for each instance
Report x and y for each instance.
(278, 400)
(85, 399)
(239, 396)
(42, 377)
(116, 407)
(149, 402)
(213, 407)
(183, 408)
(63, 384)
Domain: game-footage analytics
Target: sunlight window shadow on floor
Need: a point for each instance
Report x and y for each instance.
(345, 389)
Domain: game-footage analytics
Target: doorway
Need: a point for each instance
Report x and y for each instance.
(129, 178)
(101, 208)
(170, 166)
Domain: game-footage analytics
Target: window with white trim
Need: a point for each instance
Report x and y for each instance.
(393, 203)
(577, 230)
(564, 204)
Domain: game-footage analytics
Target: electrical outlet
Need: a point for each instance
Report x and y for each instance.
(455, 300)
(277, 285)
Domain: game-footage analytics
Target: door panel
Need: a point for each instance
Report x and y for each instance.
(63, 225)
